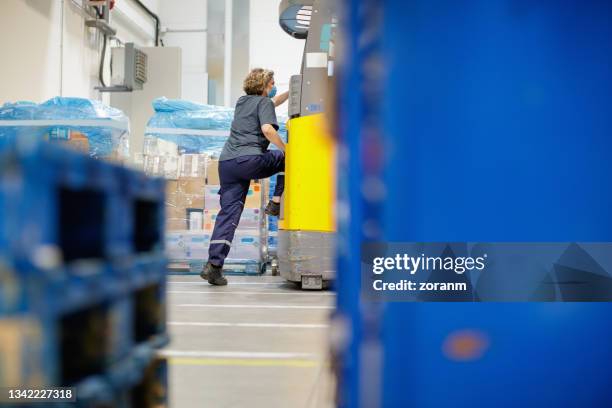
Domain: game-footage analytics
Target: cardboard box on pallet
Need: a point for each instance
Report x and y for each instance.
(161, 166)
(193, 166)
(253, 199)
(154, 146)
(250, 219)
(185, 204)
(212, 173)
(185, 193)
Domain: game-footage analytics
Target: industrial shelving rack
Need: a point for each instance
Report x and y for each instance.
(83, 276)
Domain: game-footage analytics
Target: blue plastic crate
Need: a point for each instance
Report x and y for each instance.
(58, 356)
(62, 205)
(51, 340)
(75, 224)
(149, 310)
(13, 296)
(76, 290)
(147, 268)
(55, 293)
(149, 383)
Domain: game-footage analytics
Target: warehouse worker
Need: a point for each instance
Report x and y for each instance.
(246, 157)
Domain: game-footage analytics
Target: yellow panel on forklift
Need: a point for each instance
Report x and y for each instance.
(310, 176)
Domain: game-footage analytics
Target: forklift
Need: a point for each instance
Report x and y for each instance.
(307, 227)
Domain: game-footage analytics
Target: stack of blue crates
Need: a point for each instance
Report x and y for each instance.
(82, 276)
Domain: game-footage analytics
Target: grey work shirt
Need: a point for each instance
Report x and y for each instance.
(246, 137)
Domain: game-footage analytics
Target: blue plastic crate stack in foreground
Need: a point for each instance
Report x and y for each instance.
(83, 275)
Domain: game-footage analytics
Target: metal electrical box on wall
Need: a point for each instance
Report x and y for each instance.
(129, 67)
(164, 79)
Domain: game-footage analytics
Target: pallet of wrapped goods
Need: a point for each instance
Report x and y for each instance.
(189, 249)
(192, 208)
(199, 133)
(193, 245)
(85, 125)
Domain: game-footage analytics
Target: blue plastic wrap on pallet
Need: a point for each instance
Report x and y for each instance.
(13, 117)
(194, 128)
(57, 119)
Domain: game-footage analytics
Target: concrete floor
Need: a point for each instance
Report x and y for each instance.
(258, 342)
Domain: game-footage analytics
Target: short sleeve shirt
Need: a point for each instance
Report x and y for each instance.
(246, 137)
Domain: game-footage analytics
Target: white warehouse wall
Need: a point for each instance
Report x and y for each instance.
(47, 50)
(188, 15)
(271, 47)
(30, 33)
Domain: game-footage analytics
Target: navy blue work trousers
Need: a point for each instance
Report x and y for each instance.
(236, 175)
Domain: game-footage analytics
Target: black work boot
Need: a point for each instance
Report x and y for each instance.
(214, 275)
(272, 209)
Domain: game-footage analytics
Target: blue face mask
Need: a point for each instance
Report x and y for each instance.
(272, 93)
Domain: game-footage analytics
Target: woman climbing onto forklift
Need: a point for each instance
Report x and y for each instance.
(246, 157)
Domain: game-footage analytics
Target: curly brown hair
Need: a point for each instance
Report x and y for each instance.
(255, 83)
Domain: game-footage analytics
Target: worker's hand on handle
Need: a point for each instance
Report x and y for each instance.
(272, 135)
(280, 99)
